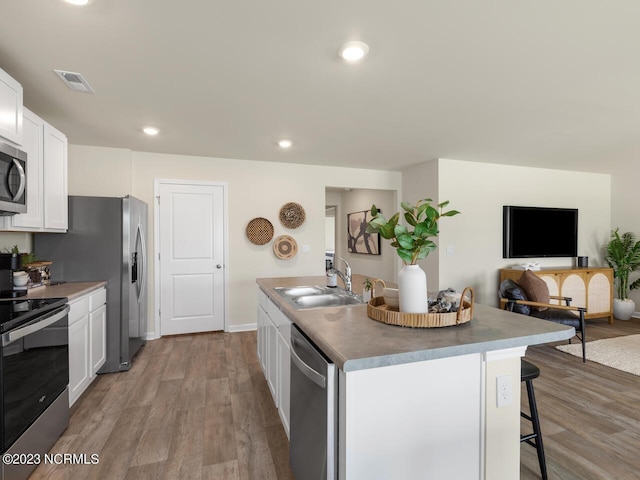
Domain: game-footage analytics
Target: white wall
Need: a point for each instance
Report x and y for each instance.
(479, 191)
(255, 189)
(624, 208)
(24, 241)
(385, 265)
(420, 182)
(99, 171)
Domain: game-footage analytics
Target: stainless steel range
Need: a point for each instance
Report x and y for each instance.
(34, 378)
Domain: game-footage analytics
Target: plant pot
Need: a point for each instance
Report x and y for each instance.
(412, 290)
(366, 296)
(623, 309)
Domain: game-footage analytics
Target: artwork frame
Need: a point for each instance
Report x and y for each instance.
(358, 240)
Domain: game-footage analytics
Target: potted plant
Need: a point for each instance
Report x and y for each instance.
(366, 289)
(623, 255)
(412, 243)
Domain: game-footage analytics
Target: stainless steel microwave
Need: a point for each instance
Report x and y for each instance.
(13, 180)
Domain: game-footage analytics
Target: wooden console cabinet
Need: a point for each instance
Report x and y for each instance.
(590, 287)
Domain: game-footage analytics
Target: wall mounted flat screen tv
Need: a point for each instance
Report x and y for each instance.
(529, 232)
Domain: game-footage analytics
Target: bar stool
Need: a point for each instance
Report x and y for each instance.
(528, 372)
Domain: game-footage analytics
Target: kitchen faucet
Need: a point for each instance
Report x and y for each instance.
(346, 276)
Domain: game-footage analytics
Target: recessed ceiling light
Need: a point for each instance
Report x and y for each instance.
(353, 51)
(80, 3)
(151, 131)
(285, 143)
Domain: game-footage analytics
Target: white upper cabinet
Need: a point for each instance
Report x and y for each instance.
(32, 144)
(10, 108)
(47, 205)
(55, 179)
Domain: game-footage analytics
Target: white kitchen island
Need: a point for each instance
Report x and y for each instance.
(423, 403)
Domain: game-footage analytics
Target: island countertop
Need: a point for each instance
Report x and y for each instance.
(353, 341)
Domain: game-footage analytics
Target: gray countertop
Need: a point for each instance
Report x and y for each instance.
(71, 290)
(353, 341)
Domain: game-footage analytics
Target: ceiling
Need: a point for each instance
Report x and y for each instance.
(546, 83)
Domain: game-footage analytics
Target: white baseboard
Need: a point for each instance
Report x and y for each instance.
(246, 327)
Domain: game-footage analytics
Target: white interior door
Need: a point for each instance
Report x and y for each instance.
(191, 233)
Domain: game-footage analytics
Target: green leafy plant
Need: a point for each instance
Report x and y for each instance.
(367, 285)
(411, 245)
(623, 255)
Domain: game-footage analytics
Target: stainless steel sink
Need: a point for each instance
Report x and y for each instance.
(318, 296)
(328, 300)
(303, 291)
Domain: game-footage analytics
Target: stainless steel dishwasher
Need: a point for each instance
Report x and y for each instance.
(313, 443)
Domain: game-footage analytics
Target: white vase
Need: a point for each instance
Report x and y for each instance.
(366, 296)
(623, 309)
(412, 289)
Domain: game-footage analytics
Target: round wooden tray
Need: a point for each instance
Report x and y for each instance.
(378, 310)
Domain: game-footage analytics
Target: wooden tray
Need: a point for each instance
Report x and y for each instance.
(379, 311)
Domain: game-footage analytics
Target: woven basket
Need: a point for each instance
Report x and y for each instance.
(259, 231)
(378, 310)
(292, 215)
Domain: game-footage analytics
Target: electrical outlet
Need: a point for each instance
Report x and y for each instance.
(504, 393)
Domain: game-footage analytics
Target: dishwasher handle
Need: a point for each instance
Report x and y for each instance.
(306, 370)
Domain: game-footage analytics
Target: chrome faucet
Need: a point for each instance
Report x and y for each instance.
(346, 276)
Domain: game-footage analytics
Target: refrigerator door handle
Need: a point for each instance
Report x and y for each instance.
(143, 264)
(134, 267)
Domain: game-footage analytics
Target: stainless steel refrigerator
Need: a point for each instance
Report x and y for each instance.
(106, 241)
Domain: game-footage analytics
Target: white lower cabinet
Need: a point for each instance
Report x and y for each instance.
(79, 377)
(98, 329)
(273, 349)
(284, 370)
(87, 340)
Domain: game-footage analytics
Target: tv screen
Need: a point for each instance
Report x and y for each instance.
(539, 232)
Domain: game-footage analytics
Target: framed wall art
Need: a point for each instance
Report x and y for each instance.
(358, 240)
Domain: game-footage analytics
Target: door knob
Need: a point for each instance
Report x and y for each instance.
(218, 266)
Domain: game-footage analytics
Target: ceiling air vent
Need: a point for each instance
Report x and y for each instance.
(74, 81)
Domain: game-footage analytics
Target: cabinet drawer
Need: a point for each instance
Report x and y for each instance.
(97, 299)
(78, 310)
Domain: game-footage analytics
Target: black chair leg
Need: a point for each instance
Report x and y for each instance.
(583, 337)
(535, 439)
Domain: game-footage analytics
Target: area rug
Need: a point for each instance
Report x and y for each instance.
(621, 353)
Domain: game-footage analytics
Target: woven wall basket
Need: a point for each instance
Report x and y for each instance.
(259, 231)
(285, 247)
(292, 215)
(377, 310)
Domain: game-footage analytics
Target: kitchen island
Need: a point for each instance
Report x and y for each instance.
(422, 403)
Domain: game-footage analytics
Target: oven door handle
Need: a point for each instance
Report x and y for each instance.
(21, 332)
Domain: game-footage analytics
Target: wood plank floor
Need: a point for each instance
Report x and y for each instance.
(191, 407)
(198, 407)
(590, 414)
